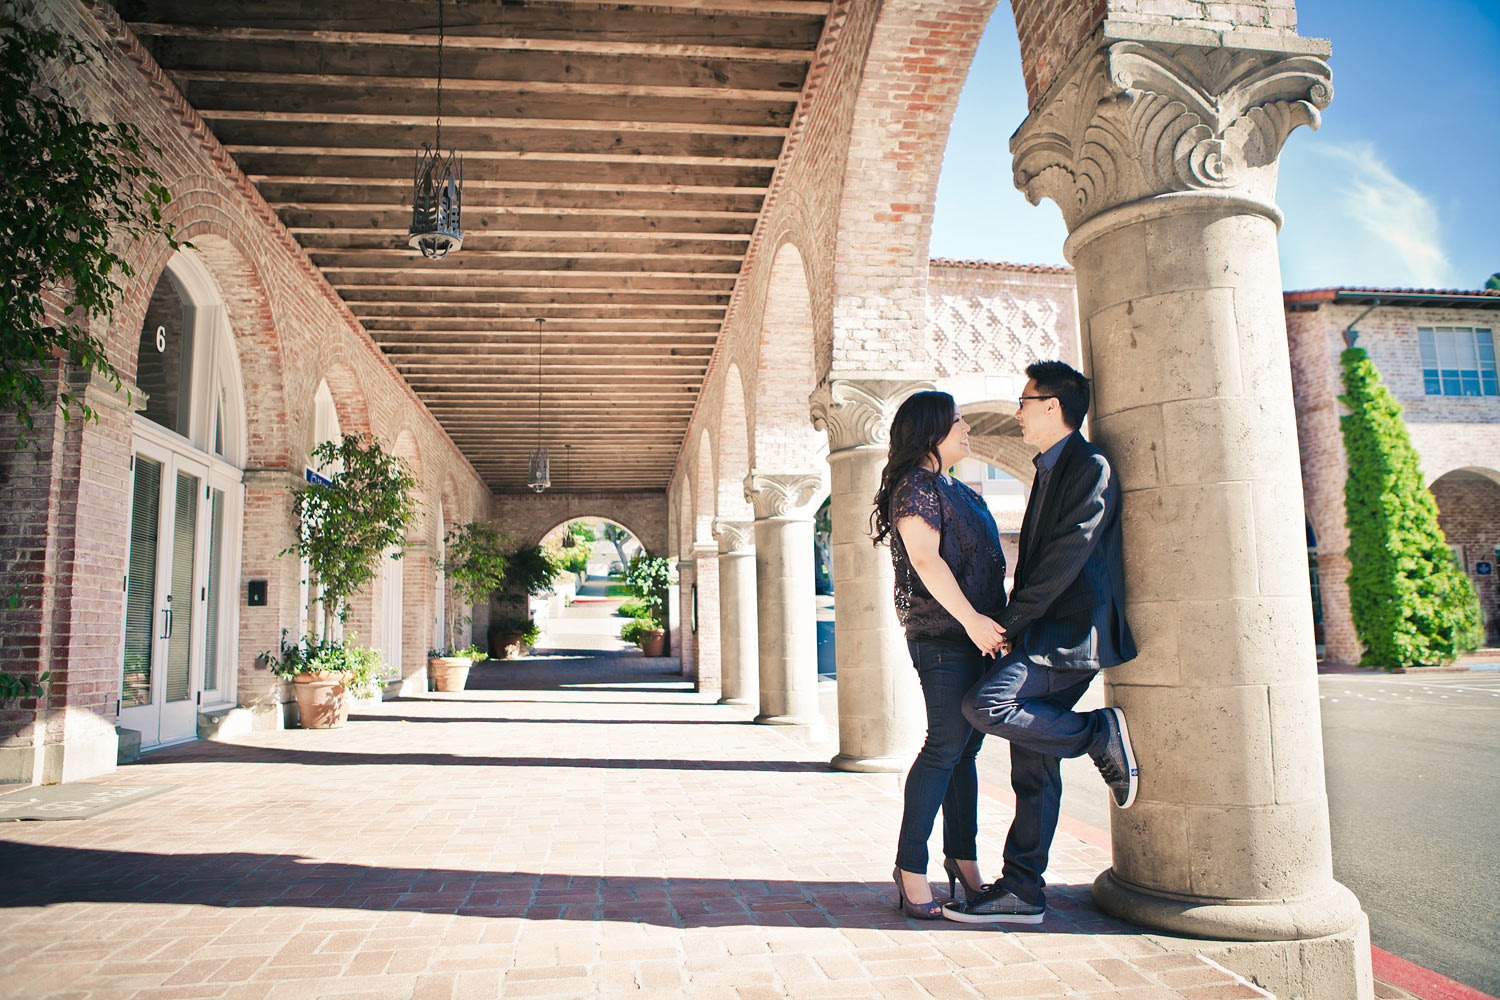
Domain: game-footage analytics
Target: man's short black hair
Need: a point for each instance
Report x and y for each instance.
(1054, 378)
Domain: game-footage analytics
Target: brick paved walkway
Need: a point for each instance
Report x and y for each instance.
(572, 826)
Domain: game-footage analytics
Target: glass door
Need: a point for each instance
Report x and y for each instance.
(165, 596)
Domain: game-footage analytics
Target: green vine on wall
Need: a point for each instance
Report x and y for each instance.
(1411, 602)
(72, 193)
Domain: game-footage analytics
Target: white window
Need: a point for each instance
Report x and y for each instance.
(1458, 361)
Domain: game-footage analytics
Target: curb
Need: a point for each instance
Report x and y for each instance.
(1420, 982)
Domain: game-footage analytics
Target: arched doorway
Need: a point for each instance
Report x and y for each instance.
(187, 498)
(1468, 502)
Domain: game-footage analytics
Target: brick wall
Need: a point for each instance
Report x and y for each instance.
(66, 507)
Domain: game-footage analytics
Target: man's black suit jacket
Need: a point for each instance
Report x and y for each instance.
(1066, 607)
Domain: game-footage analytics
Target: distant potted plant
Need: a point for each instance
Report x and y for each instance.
(324, 674)
(475, 564)
(647, 633)
(344, 526)
(647, 578)
(528, 571)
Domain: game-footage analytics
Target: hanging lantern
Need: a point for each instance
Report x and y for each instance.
(569, 541)
(540, 475)
(436, 203)
(437, 185)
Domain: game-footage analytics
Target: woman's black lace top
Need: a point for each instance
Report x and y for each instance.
(968, 541)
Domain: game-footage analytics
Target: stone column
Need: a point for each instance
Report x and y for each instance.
(739, 656)
(786, 622)
(687, 652)
(881, 717)
(1162, 156)
(705, 612)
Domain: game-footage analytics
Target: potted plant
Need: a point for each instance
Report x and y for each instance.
(647, 633)
(647, 577)
(324, 674)
(475, 565)
(345, 524)
(512, 638)
(528, 571)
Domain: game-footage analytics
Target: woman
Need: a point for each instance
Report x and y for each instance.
(950, 578)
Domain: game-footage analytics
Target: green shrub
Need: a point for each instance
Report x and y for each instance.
(1410, 601)
(648, 577)
(634, 629)
(362, 667)
(634, 608)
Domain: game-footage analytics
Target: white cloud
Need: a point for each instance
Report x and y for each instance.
(1351, 220)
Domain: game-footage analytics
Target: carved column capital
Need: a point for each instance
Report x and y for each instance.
(703, 550)
(1137, 118)
(857, 413)
(734, 536)
(781, 496)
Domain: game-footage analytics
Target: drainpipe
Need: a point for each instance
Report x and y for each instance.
(1351, 334)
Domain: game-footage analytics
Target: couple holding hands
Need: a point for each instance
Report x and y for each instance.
(1015, 668)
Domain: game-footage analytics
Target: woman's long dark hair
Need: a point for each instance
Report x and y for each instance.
(924, 419)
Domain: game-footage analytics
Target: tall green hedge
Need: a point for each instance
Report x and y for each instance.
(1410, 601)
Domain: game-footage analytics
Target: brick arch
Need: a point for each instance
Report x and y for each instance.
(674, 518)
(1493, 475)
(782, 438)
(217, 235)
(705, 491)
(914, 71)
(733, 449)
(588, 513)
(407, 448)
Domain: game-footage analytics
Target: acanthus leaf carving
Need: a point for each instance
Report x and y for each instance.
(1139, 119)
(781, 495)
(734, 536)
(857, 413)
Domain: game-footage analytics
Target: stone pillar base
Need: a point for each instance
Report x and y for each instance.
(738, 701)
(809, 729)
(1335, 967)
(83, 756)
(1332, 911)
(869, 765)
(242, 720)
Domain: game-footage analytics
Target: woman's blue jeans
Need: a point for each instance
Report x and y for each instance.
(943, 773)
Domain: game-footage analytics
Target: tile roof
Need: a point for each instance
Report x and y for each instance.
(999, 265)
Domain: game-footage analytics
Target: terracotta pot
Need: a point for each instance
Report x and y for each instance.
(322, 699)
(507, 645)
(449, 673)
(654, 642)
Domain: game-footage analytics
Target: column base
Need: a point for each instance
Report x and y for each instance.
(83, 756)
(1335, 967)
(738, 701)
(869, 765)
(810, 729)
(1334, 910)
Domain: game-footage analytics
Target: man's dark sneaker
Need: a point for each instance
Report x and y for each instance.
(1116, 762)
(994, 906)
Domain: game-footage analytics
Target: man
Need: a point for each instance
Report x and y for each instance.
(1065, 621)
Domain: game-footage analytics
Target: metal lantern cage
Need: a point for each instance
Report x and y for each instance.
(437, 203)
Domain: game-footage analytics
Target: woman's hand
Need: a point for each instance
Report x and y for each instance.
(985, 633)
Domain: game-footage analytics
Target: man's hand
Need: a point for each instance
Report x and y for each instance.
(985, 633)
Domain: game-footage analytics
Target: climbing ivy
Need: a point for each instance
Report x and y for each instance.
(1411, 602)
(72, 193)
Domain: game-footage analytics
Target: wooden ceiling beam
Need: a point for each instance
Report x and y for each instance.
(522, 196)
(418, 58)
(705, 246)
(365, 296)
(744, 176)
(729, 25)
(550, 310)
(261, 93)
(527, 223)
(483, 143)
(661, 265)
(561, 283)
(483, 43)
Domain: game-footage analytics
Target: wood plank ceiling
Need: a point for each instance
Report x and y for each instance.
(616, 157)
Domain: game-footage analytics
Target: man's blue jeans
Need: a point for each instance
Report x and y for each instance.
(943, 773)
(1032, 707)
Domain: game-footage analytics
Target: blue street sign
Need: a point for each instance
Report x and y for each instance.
(313, 477)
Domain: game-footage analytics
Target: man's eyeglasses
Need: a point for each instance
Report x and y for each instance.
(1022, 401)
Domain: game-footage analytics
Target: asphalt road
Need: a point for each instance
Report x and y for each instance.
(1413, 771)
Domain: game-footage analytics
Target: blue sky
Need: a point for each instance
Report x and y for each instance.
(1399, 188)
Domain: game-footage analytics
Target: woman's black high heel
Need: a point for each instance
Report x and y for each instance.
(917, 911)
(956, 878)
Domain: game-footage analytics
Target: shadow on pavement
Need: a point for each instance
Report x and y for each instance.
(45, 875)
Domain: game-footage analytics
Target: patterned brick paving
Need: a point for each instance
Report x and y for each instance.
(570, 827)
